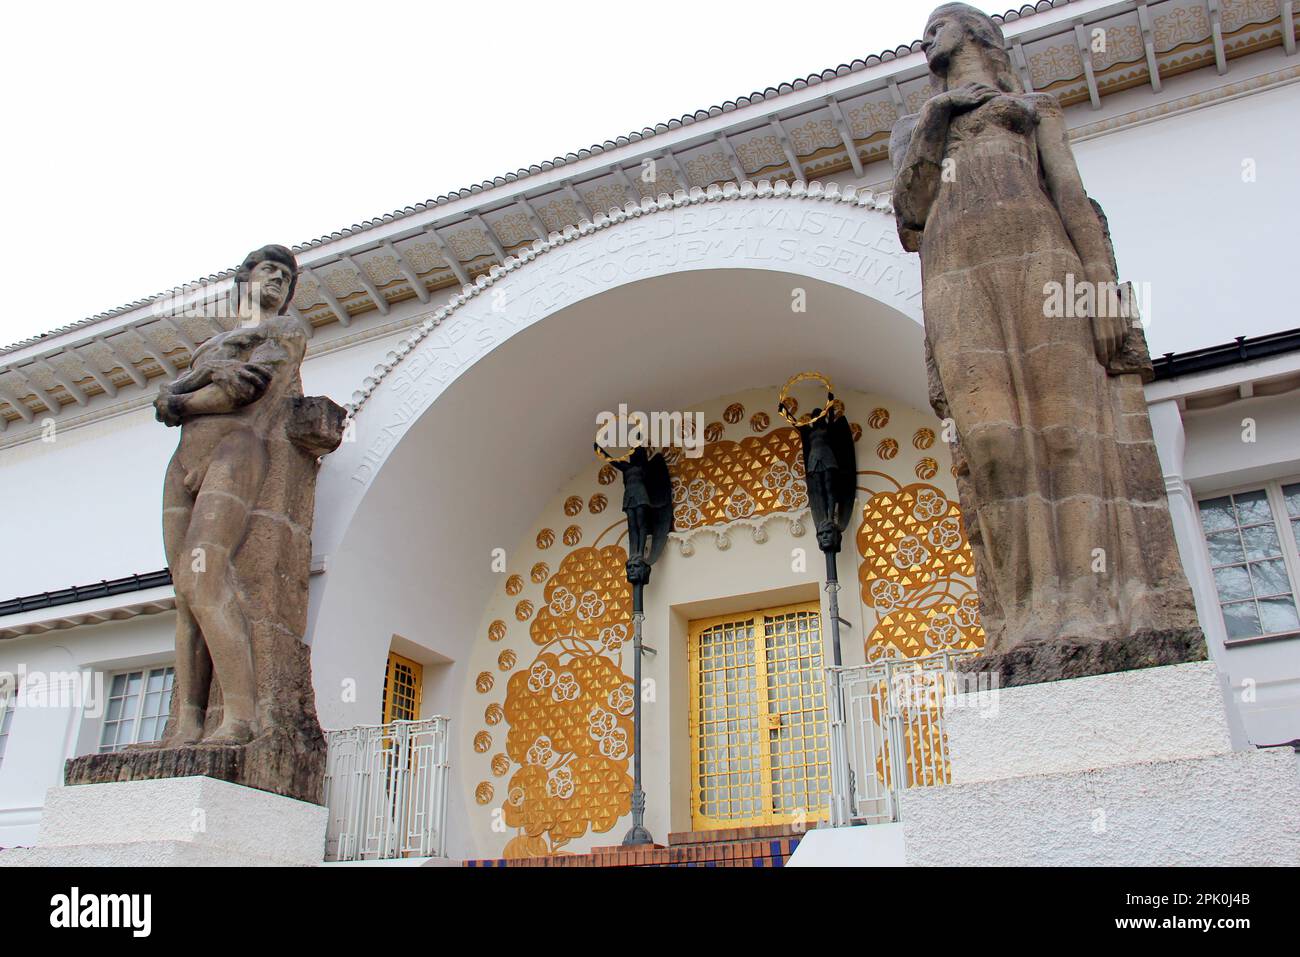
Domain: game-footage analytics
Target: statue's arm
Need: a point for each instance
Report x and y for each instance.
(920, 140)
(1061, 174)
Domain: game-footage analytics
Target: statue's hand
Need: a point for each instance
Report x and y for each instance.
(244, 382)
(967, 97)
(166, 408)
(1108, 336)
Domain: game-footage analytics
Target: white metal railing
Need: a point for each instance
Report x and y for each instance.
(386, 791)
(887, 733)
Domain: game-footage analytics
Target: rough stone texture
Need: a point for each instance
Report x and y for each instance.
(1037, 661)
(1155, 714)
(1240, 809)
(178, 821)
(1056, 466)
(238, 504)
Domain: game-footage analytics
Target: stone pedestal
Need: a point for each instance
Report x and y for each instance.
(185, 821)
(1127, 769)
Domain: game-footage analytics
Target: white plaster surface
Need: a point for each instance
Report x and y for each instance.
(192, 820)
(872, 845)
(1152, 714)
(1224, 810)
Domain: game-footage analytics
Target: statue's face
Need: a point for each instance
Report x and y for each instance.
(271, 281)
(947, 30)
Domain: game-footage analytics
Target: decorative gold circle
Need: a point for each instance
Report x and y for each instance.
(923, 439)
(572, 505)
(792, 405)
(672, 456)
(953, 469)
(713, 431)
(484, 682)
(887, 449)
(878, 419)
(606, 475)
(493, 714)
(496, 630)
(856, 429)
(483, 793)
(734, 413)
(500, 764)
(572, 535)
(482, 741)
(514, 585)
(507, 660)
(760, 421)
(524, 610)
(545, 539)
(540, 572)
(927, 468)
(790, 383)
(597, 504)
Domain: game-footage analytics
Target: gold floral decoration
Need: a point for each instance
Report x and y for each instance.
(514, 585)
(916, 572)
(731, 480)
(856, 429)
(878, 419)
(493, 714)
(507, 660)
(539, 572)
(607, 474)
(713, 431)
(597, 504)
(927, 468)
(572, 535)
(545, 539)
(923, 439)
(760, 421)
(483, 683)
(500, 765)
(524, 610)
(496, 630)
(573, 505)
(734, 413)
(483, 793)
(887, 449)
(482, 742)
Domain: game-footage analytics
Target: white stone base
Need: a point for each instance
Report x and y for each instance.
(174, 821)
(1223, 810)
(1152, 714)
(871, 845)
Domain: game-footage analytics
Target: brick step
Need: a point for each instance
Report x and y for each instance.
(732, 835)
(768, 851)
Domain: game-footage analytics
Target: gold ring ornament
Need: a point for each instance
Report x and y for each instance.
(605, 456)
(794, 380)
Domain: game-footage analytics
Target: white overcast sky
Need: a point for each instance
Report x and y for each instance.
(149, 144)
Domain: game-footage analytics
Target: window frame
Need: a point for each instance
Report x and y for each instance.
(1290, 546)
(145, 672)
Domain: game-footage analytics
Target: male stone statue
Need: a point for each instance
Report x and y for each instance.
(1076, 564)
(237, 513)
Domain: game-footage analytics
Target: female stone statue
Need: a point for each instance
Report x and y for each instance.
(227, 403)
(1064, 498)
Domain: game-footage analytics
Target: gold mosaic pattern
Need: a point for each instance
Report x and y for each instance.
(734, 480)
(916, 571)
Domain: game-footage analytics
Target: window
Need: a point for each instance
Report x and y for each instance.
(758, 719)
(138, 703)
(1251, 537)
(8, 700)
(402, 687)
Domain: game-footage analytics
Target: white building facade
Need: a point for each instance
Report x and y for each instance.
(467, 557)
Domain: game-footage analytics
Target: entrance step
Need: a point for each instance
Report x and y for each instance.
(769, 846)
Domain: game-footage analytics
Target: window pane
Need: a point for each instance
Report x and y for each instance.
(1270, 578)
(1252, 507)
(1261, 542)
(1292, 495)
(1278, 614)
(1225, 548)
(1241, 619)
(1233, 583)
(1216, 514)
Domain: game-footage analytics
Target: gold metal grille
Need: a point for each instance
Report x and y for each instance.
(402, 686)
(758, 719)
